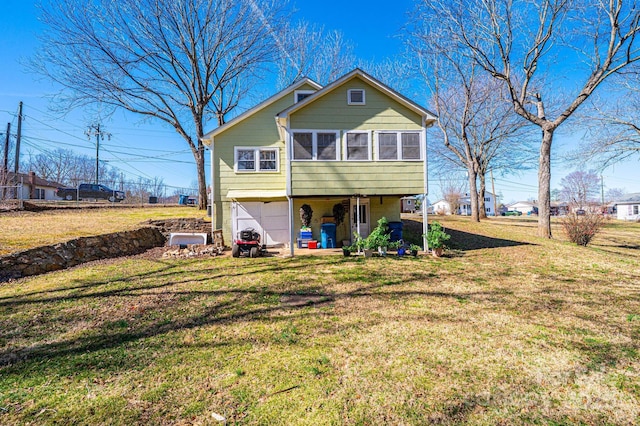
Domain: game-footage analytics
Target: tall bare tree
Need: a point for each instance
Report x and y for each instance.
(478, 130)
(520, 44)
(183, 62)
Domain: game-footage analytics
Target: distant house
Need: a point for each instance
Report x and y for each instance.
(408, 205)
(628, 208)
(444, 207)
(524, 207)
(33, 187)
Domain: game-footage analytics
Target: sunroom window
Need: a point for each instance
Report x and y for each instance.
(315, 145)
(357, 146)
(399, 146)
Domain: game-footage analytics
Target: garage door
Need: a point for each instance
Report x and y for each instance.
(269, 219)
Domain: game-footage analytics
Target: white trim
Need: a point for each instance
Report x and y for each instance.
(345, 157)
(351, 91)
(301, 92)
(207, 138)
(427, 116)
(398, 145)
(256, 158)
(314, 144)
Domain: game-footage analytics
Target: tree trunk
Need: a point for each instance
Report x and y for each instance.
(202, 181)
(473, 194)
(544, 185)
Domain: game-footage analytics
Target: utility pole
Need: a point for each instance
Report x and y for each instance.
(602, 188)
(94, 129)
(16, 166)
(5, 162)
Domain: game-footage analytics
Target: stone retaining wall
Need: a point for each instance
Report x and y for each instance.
(64, 255)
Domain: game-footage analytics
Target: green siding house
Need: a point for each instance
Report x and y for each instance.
(354, 142)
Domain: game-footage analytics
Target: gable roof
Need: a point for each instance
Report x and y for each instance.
(26, 179)
(403, 100)
(290, 89)
(633, 198)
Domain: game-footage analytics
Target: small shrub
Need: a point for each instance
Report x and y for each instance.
(581, 229)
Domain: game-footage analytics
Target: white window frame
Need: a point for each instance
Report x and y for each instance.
(314, 144)
(256, 158)
(301, 92)
(364, 97)
(344, 144)
(399, 145)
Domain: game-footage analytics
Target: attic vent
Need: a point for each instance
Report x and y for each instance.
(355, 97)
(301, 94)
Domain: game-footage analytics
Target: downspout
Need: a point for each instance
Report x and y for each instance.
(425, 224)
(287, 159)
(213, 193)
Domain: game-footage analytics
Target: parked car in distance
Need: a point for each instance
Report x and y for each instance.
(580, 212)
(512, 213)
(88, 191)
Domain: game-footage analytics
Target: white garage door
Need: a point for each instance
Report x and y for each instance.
(270, 220)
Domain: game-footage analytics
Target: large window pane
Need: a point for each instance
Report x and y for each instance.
(302, 146)
(357, 146)
(410, 146)
(388, 146)
(326, 146)
(246, 159)
(268, 160)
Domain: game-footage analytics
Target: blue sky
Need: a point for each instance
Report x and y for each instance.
(151, 149)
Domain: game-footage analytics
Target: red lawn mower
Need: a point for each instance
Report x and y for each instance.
(248, 244)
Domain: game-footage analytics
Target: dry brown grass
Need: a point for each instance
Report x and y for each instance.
(25, 230)
(507, 329)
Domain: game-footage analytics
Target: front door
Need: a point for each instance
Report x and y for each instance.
(363, 217)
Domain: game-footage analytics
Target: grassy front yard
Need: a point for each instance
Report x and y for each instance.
(509, 329)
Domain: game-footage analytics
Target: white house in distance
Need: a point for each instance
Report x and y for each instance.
(444, 207)
(32, 186)
(524, 207)
(628, 208)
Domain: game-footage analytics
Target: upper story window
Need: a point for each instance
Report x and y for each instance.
(357, 146)
(316, 145)
(299, 95)
(256, 159)
(399, 146)
(355, 97)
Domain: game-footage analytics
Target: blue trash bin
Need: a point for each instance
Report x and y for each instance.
(183, 200)
(396, 231)
(328, 235)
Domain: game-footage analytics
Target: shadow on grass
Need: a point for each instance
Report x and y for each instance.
(179, 308)
(464, 241)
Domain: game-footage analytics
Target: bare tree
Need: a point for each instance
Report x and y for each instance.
(182, 62)
(311, 51)
(519, 43)
(580, 188)
(478, 128)
(452, 190)
(614, 128)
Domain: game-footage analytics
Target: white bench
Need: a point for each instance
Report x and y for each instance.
(183, 238)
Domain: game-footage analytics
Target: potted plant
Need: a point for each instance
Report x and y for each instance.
(379, 238)
(346, 250)
(397, 246)
(436, 238)
(414, 248)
